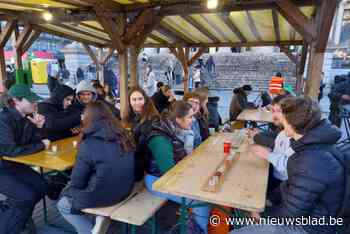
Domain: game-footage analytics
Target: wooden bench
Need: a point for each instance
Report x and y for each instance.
(139, 207)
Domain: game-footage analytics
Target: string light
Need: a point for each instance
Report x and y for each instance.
(212, 4)
(47, 16)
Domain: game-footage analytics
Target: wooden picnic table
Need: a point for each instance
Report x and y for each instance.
(62, 160)
(244, 186)
(258, 115)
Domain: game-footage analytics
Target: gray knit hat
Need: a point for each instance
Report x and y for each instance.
(85, 85)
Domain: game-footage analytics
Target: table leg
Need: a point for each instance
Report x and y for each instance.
(183, 216)
(44, 200)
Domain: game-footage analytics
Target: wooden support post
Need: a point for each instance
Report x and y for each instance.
(19, 64)
(2, 70)
(32, 38)
(123, 84)
(314, 72)
(133, 66)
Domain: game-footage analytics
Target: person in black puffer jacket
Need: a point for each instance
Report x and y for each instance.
(214, 117)
(316, 177)
(59, 121)
(104, 171)
(142, 113)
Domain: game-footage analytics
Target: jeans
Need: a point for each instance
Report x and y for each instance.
(270, 229)
(23, 188)
(201, 213)
(83, 224)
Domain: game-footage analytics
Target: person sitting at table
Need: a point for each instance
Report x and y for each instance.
(203, 115)
(142, 113)
(239, 101)
(103, 174)
(163, 98)
(20, 134)
(167, 142)
(59, 121)
(316, 176)
(85, 94)
(194, 100)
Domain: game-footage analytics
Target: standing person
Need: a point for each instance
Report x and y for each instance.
(20, 135)
(142, 114)
(59, 121)
(80, 74)
(276, 84)
(105, 159)
(149, 83)
(163, 98)
(197, 78)
(239, 101)
(316, 176)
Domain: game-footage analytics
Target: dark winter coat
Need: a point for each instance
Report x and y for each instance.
(160, 101)
(103, 174)
(166, 128)
(315, 185)
(59, 122)
(18, 136)
(214, 116)
(238, 103)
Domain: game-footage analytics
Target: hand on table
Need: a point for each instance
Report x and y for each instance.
(259, 151)
(47, 143)
(38, 120)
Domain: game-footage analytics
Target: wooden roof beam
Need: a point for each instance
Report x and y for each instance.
(224, 44)
(196, 56)
(200, 28)
(70, 37)
(6, 33)
(91, 53)
(297, 19)
(32, 38)
(276, 25)
(233, 27)
(170, 34)
(24, 35)
(252, 27)
(111, 28)
(158, 39)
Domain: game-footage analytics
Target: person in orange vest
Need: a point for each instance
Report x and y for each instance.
(276, 84)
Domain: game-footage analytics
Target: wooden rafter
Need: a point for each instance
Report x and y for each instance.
(170, 34)
(196, 56)
(68, 36)
(225, 44)
(252, 27)
(276, 25)
(91, 54)
(216, 28)
(32, 38)
(111, 28)
(174, 31)
(233, 27)
(92, 27)
(77, 30)
(6, 33)
(200, 28)
(24, 35)
(158, 39)
(297, 19)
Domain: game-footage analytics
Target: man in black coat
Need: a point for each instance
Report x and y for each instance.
(20, 135)
(59, 120)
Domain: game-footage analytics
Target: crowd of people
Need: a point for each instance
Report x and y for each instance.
(307, 176)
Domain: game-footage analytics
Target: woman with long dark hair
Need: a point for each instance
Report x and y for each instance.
(104, 171)
(142, 113)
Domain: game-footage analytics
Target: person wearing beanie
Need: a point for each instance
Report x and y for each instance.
(85, 94)
(59, 120)
(239, 101)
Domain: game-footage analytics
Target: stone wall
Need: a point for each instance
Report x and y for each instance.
(236, 69)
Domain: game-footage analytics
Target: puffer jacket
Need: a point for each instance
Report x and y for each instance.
(58, 121)
(166, 128)
(316, 179)
(103, 174)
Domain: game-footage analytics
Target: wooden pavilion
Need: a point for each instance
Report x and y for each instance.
(126, 26)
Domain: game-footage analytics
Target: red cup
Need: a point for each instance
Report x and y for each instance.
(227, 147)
